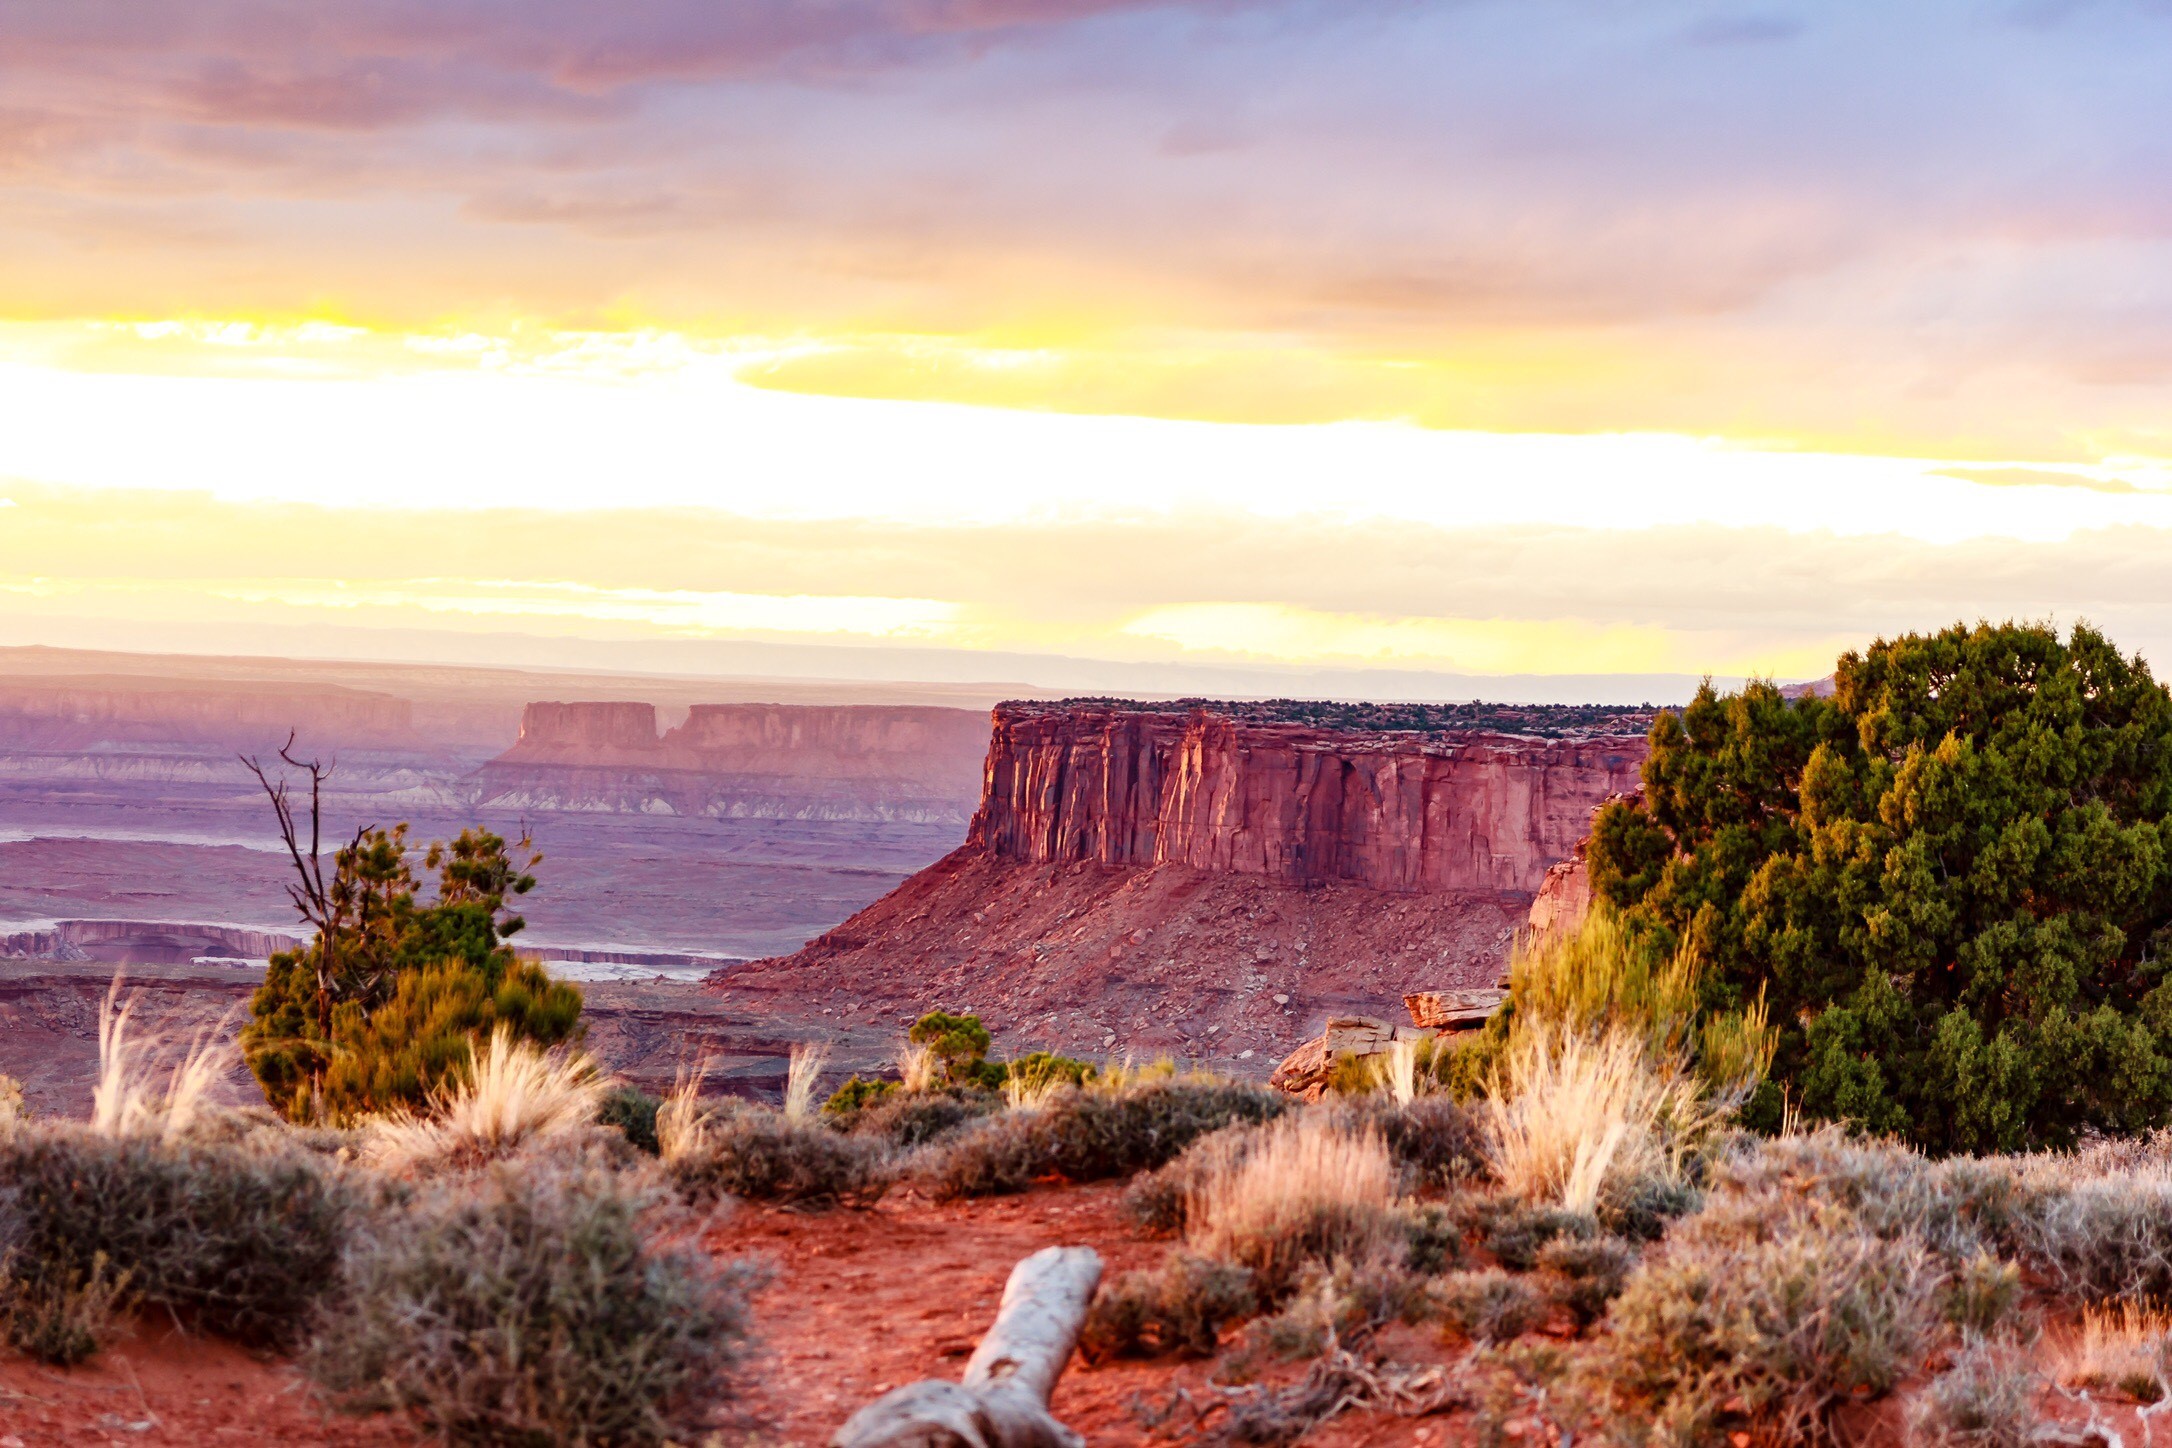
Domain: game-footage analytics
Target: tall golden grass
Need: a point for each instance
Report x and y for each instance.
(126, 1099)
(1308, 1190)
(513, 1095)
(802, 1075)
(916, 1066)
(1396, 1071)
(1573, 1115)
(2127, 1347)
(1611, 1071)
(682, 1123)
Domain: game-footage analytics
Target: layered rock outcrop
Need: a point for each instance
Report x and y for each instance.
(786, 761)
(1403, 812)
(1183, 880)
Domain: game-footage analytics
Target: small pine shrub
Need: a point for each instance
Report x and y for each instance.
(62, 1317)
(1985, 1400)
(1486, 1306)
(1092, 1135)
(1177, 1308)
(240, 1237)
(538, 1305)
(631, 1112)
(754, 1152)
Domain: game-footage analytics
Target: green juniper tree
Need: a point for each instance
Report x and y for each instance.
(381, 1006)
(1952, 879)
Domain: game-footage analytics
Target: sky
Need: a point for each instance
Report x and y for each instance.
(1562, 347)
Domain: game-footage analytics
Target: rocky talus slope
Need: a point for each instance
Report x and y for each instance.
(1141, 879)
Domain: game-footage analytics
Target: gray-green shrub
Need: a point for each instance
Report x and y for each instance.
(1779, 1311)
(1179, 1307)
(62, 1318)
(751, 1151)
(239, 1236)
(915, 1118)
(1488, 1305)
(538, 1303)
(1984, 1400)
(1091, 1135)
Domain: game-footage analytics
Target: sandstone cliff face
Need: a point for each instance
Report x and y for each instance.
(745, 760)
(1406, 813)
(1141, 879)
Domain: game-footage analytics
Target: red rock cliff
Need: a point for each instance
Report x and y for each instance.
(1402, 812)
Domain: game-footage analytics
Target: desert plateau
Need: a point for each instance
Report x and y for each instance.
(1085, 723)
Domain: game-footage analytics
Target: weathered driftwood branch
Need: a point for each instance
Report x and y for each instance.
(1003, 1402)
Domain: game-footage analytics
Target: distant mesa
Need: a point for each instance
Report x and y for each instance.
(1214, 881)
(785, 761)
(92, 710)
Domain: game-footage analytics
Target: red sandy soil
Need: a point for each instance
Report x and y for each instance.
(860, 1302)
(158, 1385)
(868, 1301)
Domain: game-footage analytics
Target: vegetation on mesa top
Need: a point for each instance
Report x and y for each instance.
(1548, 721)
(1950, 882)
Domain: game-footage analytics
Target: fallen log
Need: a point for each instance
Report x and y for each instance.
(1003, 1402)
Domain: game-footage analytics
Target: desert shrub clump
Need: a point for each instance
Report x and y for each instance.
(1772, 1310)
(744, 1150)
(915, 1118)
(1091, 1135)
(511, 1097)
(1179, 1308)
(547, 1304)
(240, 1237)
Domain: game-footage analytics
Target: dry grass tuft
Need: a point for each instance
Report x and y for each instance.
(1307, 1191)
(1033, 1092)
(1575, 1118)
(1396, 1070)
(917, 1068)
(682, 1121)
(513, 1096)
(2127, 1347)
(126, 1099)
(802, 1076)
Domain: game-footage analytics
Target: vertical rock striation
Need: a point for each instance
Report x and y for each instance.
(1402, 812)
